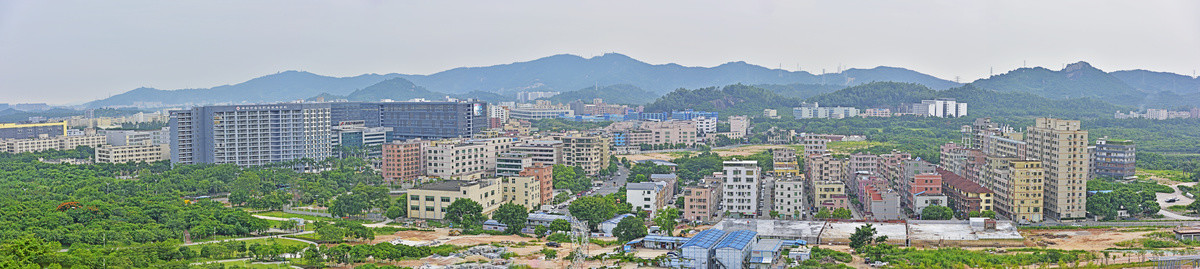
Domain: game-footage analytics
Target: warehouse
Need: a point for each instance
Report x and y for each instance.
(733, 252)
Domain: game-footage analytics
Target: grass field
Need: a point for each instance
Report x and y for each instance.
(1167, 174)
(249, 264)
(280, 214)
(847, 147)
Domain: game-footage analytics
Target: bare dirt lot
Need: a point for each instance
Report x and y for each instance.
(738, 151)
(1083, 239)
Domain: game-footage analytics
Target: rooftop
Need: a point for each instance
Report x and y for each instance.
(961, 183)
(772, 245)
(547, 217)
(642, 186)
(445, 185)
(789, 229)
(617, 219)
(737, 239)
(705, 239)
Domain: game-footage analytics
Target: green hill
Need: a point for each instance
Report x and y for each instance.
(735, 99)
(613, 94)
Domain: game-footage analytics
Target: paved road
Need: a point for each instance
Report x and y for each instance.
(614, 183)
(1182, 200)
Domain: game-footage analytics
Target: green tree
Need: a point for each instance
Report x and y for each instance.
(394, 212)
(561, 225)
(593, 210)
(539, 231)
(841, 213)
(513, 215)
(666, 220)
(465, 213)
(862, 236)
(629, 228)
(824, 213)
(937, 212)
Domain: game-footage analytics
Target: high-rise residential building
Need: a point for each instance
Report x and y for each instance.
(941, 107)
(1062, 147)
(404, 160)
(785, 162)
(425, 120)
(32, 130)
(544, 174)
(700, 202)
(741, 186)
(789, 195)
(815, 111)
(250, 135)
(1018, 184)
(587, 151)
(1113, 158)
(521, 190)
(705, 125)
(429, 201)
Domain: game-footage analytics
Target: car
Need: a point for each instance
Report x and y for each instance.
(1172, 200)
(553, 244)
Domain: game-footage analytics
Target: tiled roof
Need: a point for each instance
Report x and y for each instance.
(961, 183)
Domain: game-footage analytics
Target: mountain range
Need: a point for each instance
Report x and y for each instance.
(638, 82)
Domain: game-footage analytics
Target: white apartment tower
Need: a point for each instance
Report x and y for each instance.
(741, 186)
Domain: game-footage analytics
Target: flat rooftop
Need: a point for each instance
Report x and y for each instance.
(843, 230)
(783, 229)
(445, 185)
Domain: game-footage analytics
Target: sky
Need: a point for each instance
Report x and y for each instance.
(69, 52)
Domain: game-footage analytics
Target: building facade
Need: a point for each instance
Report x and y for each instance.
(521, 190)
(741, 187)
(1062, 147)
(589, 152)
(430, 201)
(133, 153)
(32, 130)
(1113, 158)
(700, 202)
(403, 160)
(250, 135)
(1018, 184)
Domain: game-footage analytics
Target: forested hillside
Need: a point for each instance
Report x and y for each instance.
(612, 94)
(735, 99)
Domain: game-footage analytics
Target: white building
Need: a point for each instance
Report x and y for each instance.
(941, 107)
(741, 185)
(646, 196)
(739, 125)
(815, 111)
(705, 125)
(789, 196)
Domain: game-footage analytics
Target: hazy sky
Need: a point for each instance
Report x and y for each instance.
(75, 51)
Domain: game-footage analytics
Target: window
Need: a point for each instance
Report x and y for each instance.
(446, 199)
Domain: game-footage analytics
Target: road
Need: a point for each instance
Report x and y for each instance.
(1182, 200)
(615, 182)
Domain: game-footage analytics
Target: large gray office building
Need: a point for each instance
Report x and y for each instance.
(250, 135)
(408, 120)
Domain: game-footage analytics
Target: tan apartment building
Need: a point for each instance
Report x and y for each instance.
(45, 142)
(544, 174)
(589, 152)
(1018, 184)
(403, 161)
(671, 132)
(829, 194)
(1062, 147)
(700, 202)
(825, 167)
(133, 153)
(521, 190)
(430, 201)
(459, 159)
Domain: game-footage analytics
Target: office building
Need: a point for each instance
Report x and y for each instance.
(130, 137)
(511, 163)
(546, 152)
(815, 111)
(587, 151)
(354, 138)
(464, 158)
(705, 125)
(741, 186)
(1062, 147)
(941, 107)
(877, 112)
(1113, 158)
(429, 201)
(403, 160)
(424, 120)
(525, 97)
(32, 130)
(250, 135)
(542, 109)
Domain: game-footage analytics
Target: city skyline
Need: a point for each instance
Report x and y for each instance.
(110, 49)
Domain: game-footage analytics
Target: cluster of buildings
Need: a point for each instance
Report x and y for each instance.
(1160, 114)
(1031, 176)
(112, 146)
(941, 108)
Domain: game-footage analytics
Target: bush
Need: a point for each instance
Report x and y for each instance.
(559, 237)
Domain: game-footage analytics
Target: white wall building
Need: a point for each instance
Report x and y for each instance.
(941, 107)
(741, 187)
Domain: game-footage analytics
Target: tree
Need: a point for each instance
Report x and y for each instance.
(666, 220)
(824, 213)
(513, 215)
(629, 228)
(937, 212)
(593, 210)
(560, 225)
(465, 213)
(539, 231)
(983, 214)
(842, 213)
(396, 212)
(774, 214)
(862, 236)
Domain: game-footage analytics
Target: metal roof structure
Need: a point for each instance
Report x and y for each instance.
(617, 219)
(737, 239)
(667, 239)
(705, 239)
(547, 217)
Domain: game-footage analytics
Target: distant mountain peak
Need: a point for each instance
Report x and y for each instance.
(1081, 65)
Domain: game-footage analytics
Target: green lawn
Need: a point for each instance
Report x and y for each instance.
(847, 147)
(249, 264)
(1167, 174)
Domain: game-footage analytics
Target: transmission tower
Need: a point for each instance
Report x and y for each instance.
(580, 236)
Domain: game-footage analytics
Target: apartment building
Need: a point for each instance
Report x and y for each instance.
(739, 125)
(521, 190)
(32, 130)
(700, 202)
(1018, 185)
(825, 167)
(741, 187)
(785, 163)
(966, 196)
(133, 153)
(1062, 147)
(646, 196)
(403, 160)
(814, 144)
(671, 132)
(789, 195)
(589, 152)
(1113, 158)
(705, 125)
(429, 201)
(829, 194)
(861, 162)
(455, 158)
(250, 135)
(544, 174)
(511, 163)
(878, 201)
